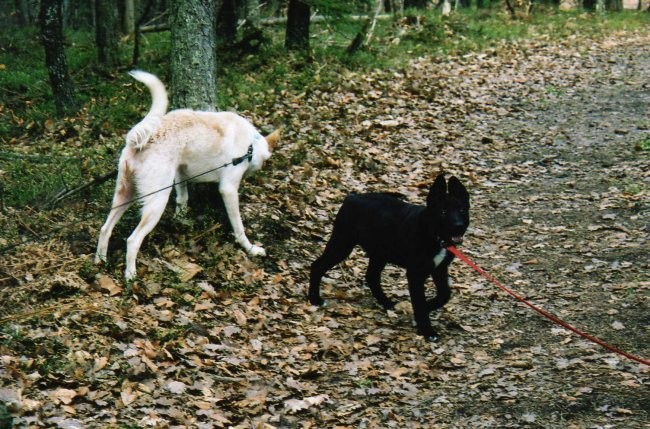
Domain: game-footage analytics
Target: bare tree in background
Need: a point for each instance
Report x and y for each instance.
(23, 12)
(193, 54)
(51, 23)
(106, 24)
(614, 5)
(297, 32)
(227, 23)
(128, 17)
(417, 4)
(138, 33)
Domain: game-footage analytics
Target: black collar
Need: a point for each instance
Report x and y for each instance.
(248, 157)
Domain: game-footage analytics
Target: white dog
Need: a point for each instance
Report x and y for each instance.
(171, 149)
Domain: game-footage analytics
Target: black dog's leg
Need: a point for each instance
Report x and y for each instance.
(373, 279)
(420, 305)
(440, 278)
(336, 250)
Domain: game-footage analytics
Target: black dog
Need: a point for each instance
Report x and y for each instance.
(410, 236)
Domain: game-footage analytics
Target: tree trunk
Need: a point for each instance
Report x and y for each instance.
(594, 5)
(22, 12)
(446, 8)
(138, 32)
(51, 22)
(614, 5)
(417, 4)
(397, 8)
(297, 32)
(227, 23)
(128, 19)
(106, 33)
(193, 54)
(79, 14)
(250, 11)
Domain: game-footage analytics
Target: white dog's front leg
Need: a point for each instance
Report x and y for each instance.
(231, 201)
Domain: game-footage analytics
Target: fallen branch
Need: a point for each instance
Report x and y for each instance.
(67, 193)
(365, 35)
(511, 8)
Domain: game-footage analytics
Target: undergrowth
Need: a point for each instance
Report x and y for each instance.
(40, 155)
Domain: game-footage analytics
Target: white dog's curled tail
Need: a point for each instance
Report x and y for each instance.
(140, 134)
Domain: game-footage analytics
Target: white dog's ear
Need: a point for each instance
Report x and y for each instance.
(273, 138)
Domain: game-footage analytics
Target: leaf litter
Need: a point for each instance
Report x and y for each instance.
(545, 134)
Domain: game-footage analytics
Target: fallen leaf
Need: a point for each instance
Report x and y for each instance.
(128, 396)
(100, 363)
(618, 326)
(176, 387)
(188, 270)
(106, 283)
(294, 405)
(372, 339)
(64, 396)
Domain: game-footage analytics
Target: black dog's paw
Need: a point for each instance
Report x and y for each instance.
(429, 334)
(318, 301)
(388, 304)
(432, 338)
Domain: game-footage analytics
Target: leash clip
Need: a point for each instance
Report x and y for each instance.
(248, 157)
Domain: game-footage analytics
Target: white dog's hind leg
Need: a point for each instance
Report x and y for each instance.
(182, 195)
(122, 200)
(152, 210)
(231, 201)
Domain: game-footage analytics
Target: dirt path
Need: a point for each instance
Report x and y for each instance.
(568, 227)
(549, 139)
(551, 136)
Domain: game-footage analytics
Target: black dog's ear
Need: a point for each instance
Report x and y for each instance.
(437, 190)
(456, 189)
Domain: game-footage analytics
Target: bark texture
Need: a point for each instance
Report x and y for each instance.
(193, 54)
(106, 32)
(297, 34)
(50, 18)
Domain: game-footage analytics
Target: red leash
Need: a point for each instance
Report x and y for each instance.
(545, 313)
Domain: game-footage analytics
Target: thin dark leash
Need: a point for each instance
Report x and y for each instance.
(545, 313)
(248, 156)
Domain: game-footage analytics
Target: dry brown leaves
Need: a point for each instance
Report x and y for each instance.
(209, 338)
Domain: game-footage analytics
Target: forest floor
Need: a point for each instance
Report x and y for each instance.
(551, 140)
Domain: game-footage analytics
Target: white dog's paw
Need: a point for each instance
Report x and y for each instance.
(130, 274)
(99, 259)
(181, 211)
(256, 251)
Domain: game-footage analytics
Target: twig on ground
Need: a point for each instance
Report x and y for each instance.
(67, 193)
